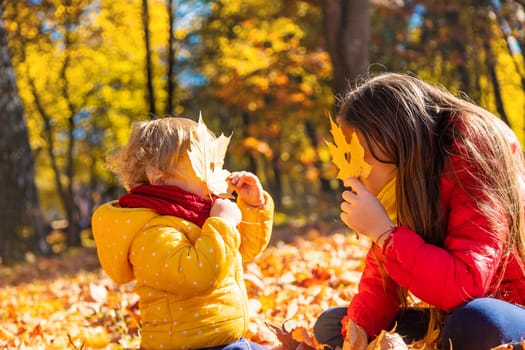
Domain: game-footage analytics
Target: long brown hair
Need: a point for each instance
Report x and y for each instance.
(416, 125)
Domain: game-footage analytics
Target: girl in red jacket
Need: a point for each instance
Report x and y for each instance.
(452, 231)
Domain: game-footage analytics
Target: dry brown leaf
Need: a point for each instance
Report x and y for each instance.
(387, 341)
(356, 337)
(294, 337)
(284, 337)
(304, 337)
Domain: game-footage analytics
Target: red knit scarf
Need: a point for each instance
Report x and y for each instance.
(168, 200)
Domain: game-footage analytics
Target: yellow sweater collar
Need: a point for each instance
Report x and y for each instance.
(387, 197)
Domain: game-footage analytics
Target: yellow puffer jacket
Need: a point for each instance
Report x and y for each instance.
(189, 279)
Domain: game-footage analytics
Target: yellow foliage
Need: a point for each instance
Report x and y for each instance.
(509, 70)
(348, 157)
(95, 337)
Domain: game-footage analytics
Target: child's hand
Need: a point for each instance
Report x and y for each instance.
(248, 187)
(362, 211)
(227, 210)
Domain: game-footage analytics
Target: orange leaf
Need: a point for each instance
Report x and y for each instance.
(286, 339)
(297, 338)
(96, 337)
(8, 331)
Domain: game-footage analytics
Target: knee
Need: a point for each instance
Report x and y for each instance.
(470, 326)
(327, 328)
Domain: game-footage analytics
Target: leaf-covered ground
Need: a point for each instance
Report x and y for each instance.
(69, 303)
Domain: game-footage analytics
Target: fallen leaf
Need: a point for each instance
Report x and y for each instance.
(387, 341)
(285, 337)
(98, 293)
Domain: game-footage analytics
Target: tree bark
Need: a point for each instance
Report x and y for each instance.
(493, 78)
(149, 64)
(347, 32)
(171, 58)
(19, 201)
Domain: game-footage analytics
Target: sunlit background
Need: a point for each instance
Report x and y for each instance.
(267, 72)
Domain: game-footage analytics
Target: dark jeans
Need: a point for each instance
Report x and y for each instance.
(241, 344)
(480, 324)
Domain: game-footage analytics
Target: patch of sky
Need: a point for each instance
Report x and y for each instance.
(496, 4)
(416, 18)
(79, 132)
(188, 11)
(188, 15)
(192, 79)
(513, 44)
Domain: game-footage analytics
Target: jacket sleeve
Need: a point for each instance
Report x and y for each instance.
(255, 227)
(462, 269)
(376, 303)
(182, 258)
(114, 231)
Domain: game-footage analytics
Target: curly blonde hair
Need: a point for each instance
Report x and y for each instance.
(157, 144)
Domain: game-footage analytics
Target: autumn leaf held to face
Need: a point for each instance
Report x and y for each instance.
(206, 155)
(348, 157)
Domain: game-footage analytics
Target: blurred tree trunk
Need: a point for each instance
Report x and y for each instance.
(171, 57)
(347, 33)
(251, 159)
(71, 207)
(22, 225)
(277, 188)
(506, 30)
(491, 62)
(312, 135)
(514, 44)
(149, 64)
(64, 178)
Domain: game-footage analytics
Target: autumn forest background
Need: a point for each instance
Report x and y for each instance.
(75, 74)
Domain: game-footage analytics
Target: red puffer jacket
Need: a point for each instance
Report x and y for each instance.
(468, 267)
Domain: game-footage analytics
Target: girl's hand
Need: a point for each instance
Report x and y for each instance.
(227, 210)
(356, 337)
(248, 187)
(362, 211)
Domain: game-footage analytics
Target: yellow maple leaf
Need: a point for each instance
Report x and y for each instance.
(206, 155)
(347, 157)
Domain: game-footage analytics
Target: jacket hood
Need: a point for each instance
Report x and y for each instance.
(114, 229)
